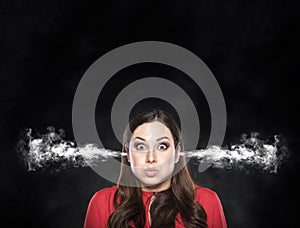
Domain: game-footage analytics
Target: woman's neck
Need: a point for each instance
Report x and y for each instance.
(157, 188)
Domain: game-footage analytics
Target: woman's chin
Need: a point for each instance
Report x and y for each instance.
(151, 184)
(155, 185)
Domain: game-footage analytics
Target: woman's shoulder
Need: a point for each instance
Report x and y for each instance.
(205, 195)
(107, 190)
(204, 190)
(105, 193)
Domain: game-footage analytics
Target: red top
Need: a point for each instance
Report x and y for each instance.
(101, 207)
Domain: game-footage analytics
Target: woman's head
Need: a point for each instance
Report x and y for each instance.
(151, 116)
(152, 141)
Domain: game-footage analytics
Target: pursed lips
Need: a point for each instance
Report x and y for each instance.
(151, 168)
(151, 171)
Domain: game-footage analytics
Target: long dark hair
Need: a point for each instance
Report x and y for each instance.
(128, 203)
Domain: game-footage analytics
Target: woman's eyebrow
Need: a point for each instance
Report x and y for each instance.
(164, 137)
(139, 138)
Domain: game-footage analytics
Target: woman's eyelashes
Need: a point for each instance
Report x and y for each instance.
(140, 146)
(163, 146)
(145, 148)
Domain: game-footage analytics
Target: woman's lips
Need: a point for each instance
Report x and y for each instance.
(151, 172)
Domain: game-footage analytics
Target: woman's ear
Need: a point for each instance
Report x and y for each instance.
(127, 152)
(128, 159)
(125, 149)
(177, 153)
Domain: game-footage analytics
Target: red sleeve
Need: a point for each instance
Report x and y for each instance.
(92, 217)
(211, 203)
(100, 208)
(218, 217)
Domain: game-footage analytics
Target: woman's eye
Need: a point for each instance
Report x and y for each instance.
(140, 147)
(162, 146)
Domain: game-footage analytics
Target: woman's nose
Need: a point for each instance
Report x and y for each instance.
(151, 156)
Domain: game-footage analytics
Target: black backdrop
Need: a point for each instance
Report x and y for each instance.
(46, 46)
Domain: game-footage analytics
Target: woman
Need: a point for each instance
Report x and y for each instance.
(157, 190)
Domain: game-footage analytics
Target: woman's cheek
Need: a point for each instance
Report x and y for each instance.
(167, 157)
(136, 160)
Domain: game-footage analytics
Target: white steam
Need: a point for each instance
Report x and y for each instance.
(52, 151)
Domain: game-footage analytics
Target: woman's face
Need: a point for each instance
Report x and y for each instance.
(152, 155)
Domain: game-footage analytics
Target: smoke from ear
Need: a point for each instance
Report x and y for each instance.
(52, 151)
(251, 152)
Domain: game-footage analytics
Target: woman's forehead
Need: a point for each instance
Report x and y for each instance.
(153, 130)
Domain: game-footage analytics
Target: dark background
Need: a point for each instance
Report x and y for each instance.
(46, 46)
